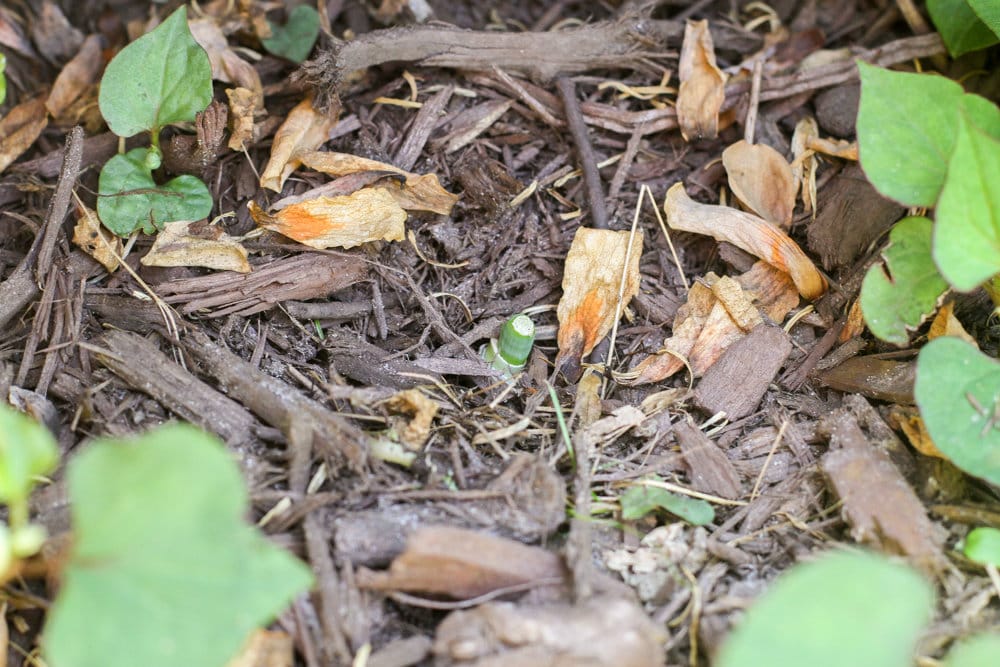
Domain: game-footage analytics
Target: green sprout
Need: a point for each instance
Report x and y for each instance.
(510, 352)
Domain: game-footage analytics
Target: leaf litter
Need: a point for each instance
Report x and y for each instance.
(337, 337)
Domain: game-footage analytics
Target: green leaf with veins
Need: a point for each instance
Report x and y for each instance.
(960, 26)
(640, 500)
(295, 39)
(988, 12)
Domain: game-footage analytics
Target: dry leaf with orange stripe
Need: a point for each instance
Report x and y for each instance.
(763, 181)
(592, 279)
(418, 193)
(197, 243)
(369, 214)
(748, 232)
(305, 129)
(703, 85)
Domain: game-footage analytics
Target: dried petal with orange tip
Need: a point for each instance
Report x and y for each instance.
(771, 289)
(421, 192)
(763, 180)
(946, 324)
(305, 129)
(370, 214)
(196, 243)
(20, 128)
(719, 332)
(592, 278)
(748, 232)
(703, 85)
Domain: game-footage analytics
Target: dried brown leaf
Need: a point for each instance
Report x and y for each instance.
(421, 411)
(746, 231)
(227, 66)
(188, 243)
(946, 324)
(763, 180)
(772, 290)
(76, 77)
(702, 90)
(20, 128)
(420, 193)
(592, 278)
(305, 129)
(370, 214)
(266, 648)
(95, 240)
(804, 162)
(463, 564)
(242, 107)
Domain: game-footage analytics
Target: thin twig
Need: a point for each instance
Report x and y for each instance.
(585, 152)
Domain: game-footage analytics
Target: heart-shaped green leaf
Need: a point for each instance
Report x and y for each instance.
(129, 199)
(958, 392)
(906, 130)
(295, 39)
(27, 450)
(967, 231)
(163, 77)
(894, 305)
(164, 570)
(980, 651)
(640, 500)
(983, 546)
(960, 26)
(988, 12)
(845, 609)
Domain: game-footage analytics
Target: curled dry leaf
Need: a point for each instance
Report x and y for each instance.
(804, 163)
(242, 107)
(227, 66)
(592, 278)
(421, 411)
(370, 214)
(419, 193)
(305, 129)
(702, 88)
(745, 231)
(763, 180)
(190, 243)
(76, 77)
(946, 324)
(95, 239)
(20, 128)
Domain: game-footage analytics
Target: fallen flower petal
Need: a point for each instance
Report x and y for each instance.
(763, 180)
(702, 90)
(187, 243)
(305, 129)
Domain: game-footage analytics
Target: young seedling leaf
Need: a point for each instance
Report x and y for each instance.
(983, 546)
(27, 450)
(988, 12)
(960, 26)
(967, 234)
(640, 500)
(980, 651)
(295, 39)
(958, 392)
(163, 77)
(164, 571)
(129, 199)
(896, 303)
(811, 616)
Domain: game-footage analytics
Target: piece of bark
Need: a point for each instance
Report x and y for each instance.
(874, 377)
(601, 632)
(139, 362)
(304, 276)
(837, 109)
(277, 403)
(880, 507)
(851, 214)
(464, 564)
(401, 652)
(710, 470)
(736, 383)
(359, 360)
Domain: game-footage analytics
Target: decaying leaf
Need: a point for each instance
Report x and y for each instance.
(76, 77)
(227, 66)
(804, 162)
(20, 128)
(471, 123)
(197, 243)
(370, 214)
(242, 107)
(95, 239)
(718, 312)
(464, 564)
(702, 88)
(745, 231)
(266, 648)
(305, 129)
(763, 180)
(420, 192)
(906, 418)
(592, 278)
(946, 324)
(421, 411)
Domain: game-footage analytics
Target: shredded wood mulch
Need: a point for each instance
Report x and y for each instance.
(501, 543)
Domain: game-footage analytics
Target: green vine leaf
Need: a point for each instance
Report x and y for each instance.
(988, 12)
(27, 450)
(958, 392)
(129, 199)
(296, 38)
(960, 26)
(980, 651)
(164, 570)
(163, 77)
(894, 305)
(983, 545)
(640, 500)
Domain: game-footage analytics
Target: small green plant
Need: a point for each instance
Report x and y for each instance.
(966, 25)
(509, 353)
(3, 78)
(927, 143)
(296, 38)
(162, 78)
(847, 608)
(163, 569)
(642, 499)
